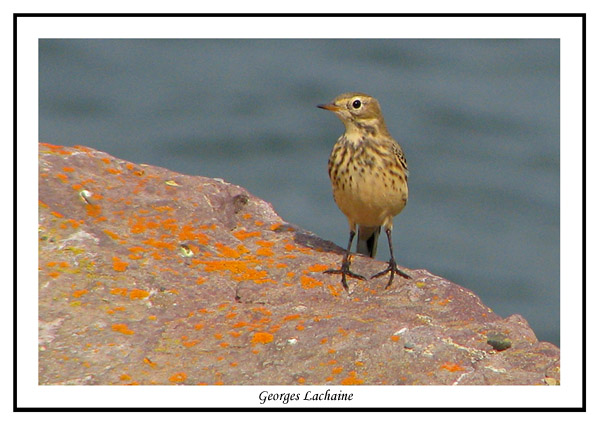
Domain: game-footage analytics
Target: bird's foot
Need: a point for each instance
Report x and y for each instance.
(345, 271)
(392, 269)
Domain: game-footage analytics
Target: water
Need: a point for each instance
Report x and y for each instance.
(478, 121)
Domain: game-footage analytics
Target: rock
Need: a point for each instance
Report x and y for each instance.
(148, 276)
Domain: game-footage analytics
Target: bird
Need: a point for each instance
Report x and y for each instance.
(369, 179)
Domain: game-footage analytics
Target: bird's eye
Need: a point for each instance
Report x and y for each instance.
(356, 104)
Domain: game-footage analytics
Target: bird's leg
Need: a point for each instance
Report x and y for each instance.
(345, 269)
(392, 268)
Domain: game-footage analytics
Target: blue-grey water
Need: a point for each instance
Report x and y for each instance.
(478, 121)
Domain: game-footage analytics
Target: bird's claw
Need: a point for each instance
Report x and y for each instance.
(392, 269)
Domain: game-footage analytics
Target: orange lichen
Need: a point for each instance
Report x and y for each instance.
(235, 266)
(56, 148)
(318, 267)
(67, 169)
(150, 363)
(178, 377)
(235, 333)
(262, 337)
(190, 343)
(56, 214)
(187, 233)
(152, 224)
(225, 251)
(119, 291)
(262, 310)
(263, 243)
(122, 328)
(292, 247)
(451, 367)
(111, 234)
(139, 226)
(79, 293)
(119, 265)
(159, 244)
(333, 290)
(242, 234)
(136, 293)
(351, 379)
(64, 178)
(254, 275)
(309, 282)
(337, 370)
(73, 223)
(240, 324)
(218, 336)
(93, 210)
(198, 326)
(170, 225)
(242, 249)
(395, 338)
(264, 251)
(291, 317)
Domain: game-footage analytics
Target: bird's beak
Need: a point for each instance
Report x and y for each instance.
(329, 107)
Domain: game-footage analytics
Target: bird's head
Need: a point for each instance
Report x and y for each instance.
(358, 112)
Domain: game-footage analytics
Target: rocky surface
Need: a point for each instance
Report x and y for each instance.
(147, 276)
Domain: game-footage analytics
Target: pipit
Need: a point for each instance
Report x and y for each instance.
(369, 177)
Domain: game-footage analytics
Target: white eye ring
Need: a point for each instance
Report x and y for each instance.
(356, 103)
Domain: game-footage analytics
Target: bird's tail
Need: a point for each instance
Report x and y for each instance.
(367, 240)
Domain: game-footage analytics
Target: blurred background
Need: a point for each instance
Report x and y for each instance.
(478, 121)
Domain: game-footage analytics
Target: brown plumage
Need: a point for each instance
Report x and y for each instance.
(369, 177)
